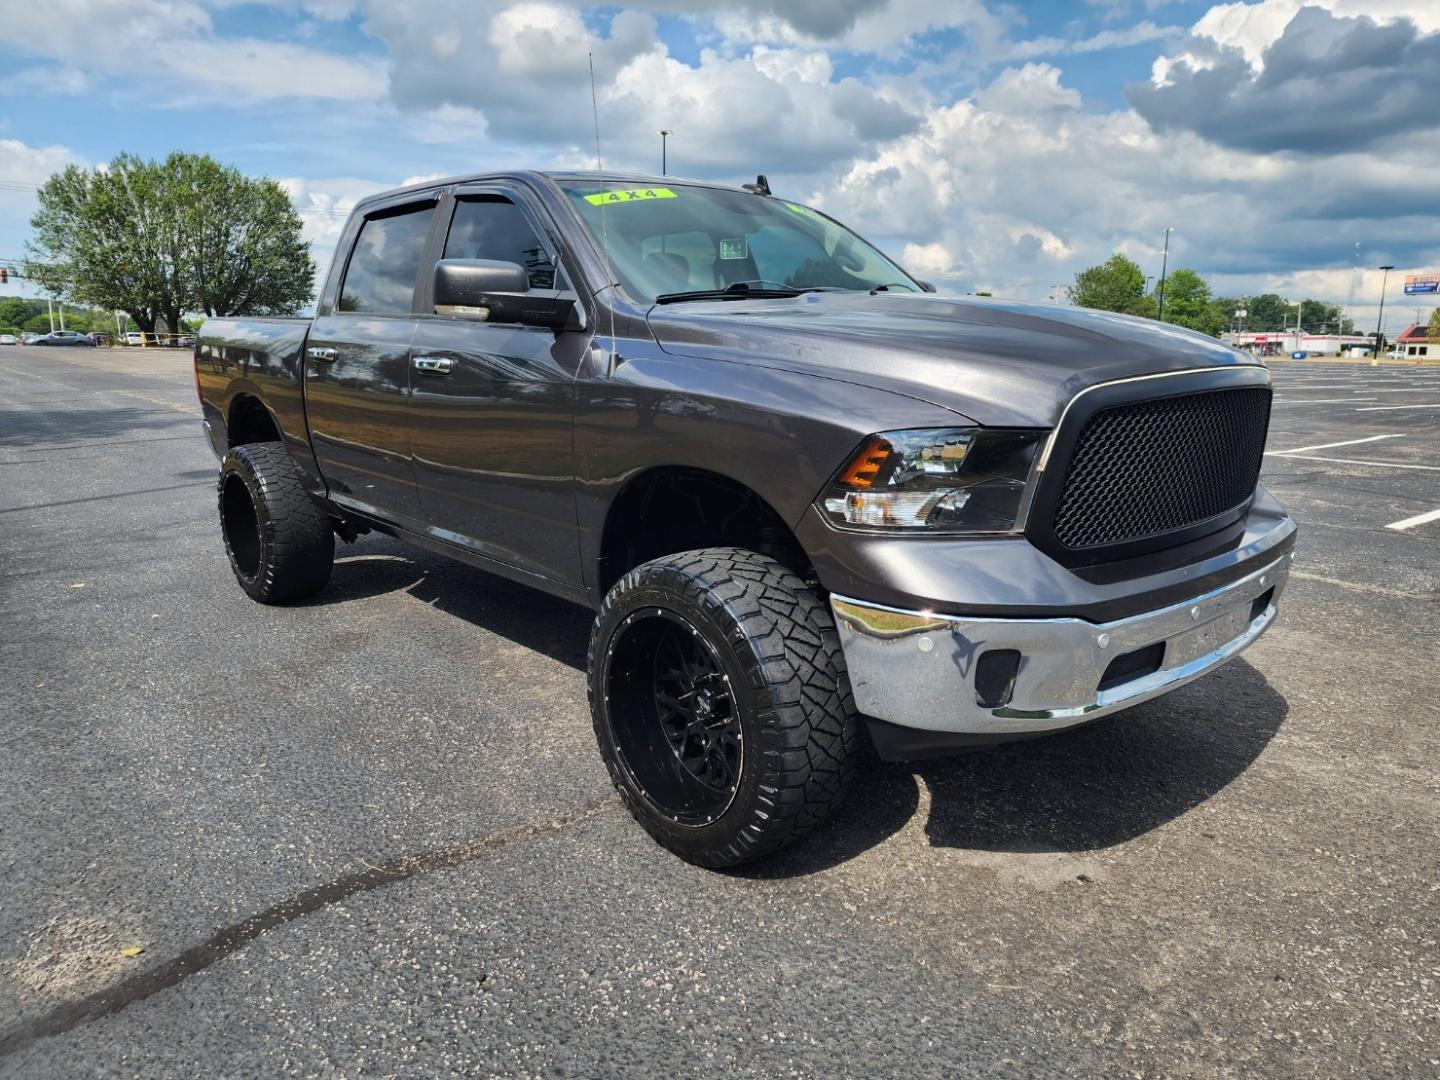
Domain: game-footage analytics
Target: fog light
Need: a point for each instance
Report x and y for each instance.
(995, 673)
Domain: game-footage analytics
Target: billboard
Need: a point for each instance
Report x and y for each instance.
(1418, 284)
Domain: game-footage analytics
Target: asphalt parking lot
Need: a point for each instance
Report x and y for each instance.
(371, 835)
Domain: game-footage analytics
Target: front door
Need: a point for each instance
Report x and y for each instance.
(491, 407)
(357, 367)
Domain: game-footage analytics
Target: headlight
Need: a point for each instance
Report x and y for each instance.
(941, 479)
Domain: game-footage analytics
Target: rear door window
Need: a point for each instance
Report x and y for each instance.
(386, 261)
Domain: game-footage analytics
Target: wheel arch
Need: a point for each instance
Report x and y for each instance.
(665, 509)
(249, 420)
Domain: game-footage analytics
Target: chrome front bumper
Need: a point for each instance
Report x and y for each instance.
(917, 669)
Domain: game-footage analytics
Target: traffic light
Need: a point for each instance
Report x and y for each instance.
(4, 275)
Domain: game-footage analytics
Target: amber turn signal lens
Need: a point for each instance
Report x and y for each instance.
(865, 466)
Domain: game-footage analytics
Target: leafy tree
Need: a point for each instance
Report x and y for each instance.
(155, 239)
(1117, 284)
(14, 311)
(1268, 313)
(1432, 331)
(245, 253)
(1188, 303)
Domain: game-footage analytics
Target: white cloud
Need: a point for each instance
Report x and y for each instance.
(24, 168)
(1253, 28)
(1018, 188)
(173, 43)
(449, 124)
(933, 258)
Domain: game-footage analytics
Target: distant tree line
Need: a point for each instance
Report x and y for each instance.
(1118, 284)
(156, 239)
(19, 314)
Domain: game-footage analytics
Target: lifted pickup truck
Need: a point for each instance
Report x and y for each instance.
(805, 497)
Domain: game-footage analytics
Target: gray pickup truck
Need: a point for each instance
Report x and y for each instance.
(807, 499)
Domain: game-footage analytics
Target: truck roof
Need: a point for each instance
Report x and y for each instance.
(638, 178)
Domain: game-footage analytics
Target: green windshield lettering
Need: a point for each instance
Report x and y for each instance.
(606, 198)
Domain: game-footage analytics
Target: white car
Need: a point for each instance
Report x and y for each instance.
(9, 339)
(134, 337)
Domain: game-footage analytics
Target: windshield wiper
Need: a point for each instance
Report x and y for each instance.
(741, 290)
(887, 287)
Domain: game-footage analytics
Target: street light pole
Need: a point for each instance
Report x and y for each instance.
(1164, 266)
(1380, 319)
(665, 134)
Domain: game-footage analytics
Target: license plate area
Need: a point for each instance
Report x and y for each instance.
(1207, 637)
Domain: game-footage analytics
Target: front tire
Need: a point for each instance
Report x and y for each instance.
(280, 543)
(721, 704)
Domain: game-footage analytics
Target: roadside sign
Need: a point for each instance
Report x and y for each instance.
(1420, 284)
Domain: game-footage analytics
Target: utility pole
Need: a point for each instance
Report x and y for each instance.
(1380, 319)
(50, 312)
(1164, 266)
(665, 134)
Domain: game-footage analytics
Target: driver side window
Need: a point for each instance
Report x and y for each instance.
(493, 227)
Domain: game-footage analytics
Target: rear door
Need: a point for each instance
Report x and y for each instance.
(492, 403)
(357, 365)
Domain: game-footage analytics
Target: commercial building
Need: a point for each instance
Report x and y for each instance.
(1415, 341)
(1288, 342)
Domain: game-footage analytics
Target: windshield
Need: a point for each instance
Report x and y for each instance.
(679, 239)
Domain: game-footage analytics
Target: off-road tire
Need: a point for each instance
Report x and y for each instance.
(776, 639)
(280, 542)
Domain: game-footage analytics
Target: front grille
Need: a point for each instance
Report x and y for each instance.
(1153, 467)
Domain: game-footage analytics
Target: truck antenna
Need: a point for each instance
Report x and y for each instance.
(604, 233)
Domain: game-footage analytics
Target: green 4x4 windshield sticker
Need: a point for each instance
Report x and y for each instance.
(605, 198)
(806, 211)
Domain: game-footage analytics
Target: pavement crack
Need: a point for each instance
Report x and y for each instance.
(230, 939)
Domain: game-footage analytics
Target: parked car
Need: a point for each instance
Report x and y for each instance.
(803, 496)
(9, 339)
(134, 337)
(64, 337)
(28, 337)
(185, 341)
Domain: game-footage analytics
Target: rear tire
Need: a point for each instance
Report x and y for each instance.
(721, 704)
(280, 542)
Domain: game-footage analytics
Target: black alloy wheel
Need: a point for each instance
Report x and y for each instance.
(682, 741)
(721, 704)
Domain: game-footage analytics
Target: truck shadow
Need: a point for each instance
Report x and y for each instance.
(1090, 788)
(378, 564)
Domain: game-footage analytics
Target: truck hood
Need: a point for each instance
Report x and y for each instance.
(996, 363)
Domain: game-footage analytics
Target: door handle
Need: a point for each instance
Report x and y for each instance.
(434, 365)
(322, 353)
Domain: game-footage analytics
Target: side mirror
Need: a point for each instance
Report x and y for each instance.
(925, 285)
(499, 292)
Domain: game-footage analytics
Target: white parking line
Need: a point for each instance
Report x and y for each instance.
(1392, 408)
(1285, 398)
(1418, 519)
(1331, 445)
(1353, 461)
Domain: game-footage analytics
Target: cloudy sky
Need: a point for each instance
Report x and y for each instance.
(988, 145)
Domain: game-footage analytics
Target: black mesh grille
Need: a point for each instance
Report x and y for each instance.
(1153, 467)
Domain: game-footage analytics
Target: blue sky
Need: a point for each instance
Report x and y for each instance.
(987, 145)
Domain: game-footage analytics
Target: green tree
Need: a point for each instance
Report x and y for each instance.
(1117, 284)
(245, 253)
(1432, 331)
(1188, 303)
(156, 239)
(1268, 313)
